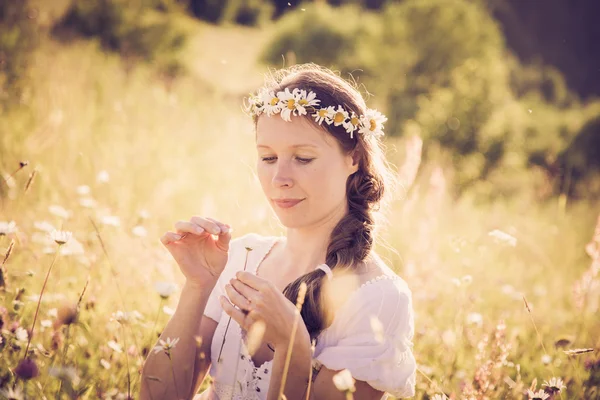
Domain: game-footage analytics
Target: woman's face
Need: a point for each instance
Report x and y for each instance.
(302, 171)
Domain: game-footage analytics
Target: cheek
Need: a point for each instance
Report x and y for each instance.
(263, 174)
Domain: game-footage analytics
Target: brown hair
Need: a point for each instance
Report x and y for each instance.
(352, 238)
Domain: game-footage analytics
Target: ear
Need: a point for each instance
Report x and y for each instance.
(353, 161)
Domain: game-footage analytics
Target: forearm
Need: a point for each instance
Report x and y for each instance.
(298, 374)
(183, 325)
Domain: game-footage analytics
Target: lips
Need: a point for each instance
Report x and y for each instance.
(286, 203)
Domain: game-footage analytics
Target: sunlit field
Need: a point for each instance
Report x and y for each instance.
(506, 293)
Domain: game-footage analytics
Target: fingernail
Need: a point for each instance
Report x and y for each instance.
(177, 237)
(215, 231)
(199, 229)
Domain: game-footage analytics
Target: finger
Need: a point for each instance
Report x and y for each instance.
(209, 226)
(169, 238)
(224, 236)
(252, 280)
(236, 298)
(189, 227)
(237, 315)
(243, 289)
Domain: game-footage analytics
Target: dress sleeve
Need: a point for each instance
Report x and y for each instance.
(213, 308)
(371, 336)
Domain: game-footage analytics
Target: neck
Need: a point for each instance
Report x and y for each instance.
(307, 246)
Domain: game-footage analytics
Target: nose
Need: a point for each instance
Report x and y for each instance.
(283, 175)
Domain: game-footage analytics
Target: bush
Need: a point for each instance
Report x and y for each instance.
(126, 29)
(17, 42)
(242, 12)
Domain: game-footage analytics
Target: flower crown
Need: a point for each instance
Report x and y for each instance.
(300, 102)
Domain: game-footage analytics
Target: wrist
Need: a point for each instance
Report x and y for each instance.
(207, 285)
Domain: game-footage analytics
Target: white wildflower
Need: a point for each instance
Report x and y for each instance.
(6, 228)
(59, 211)
(324, 114)
(103, 177)
(372, 123)
(53, 312)
(475, 319)
(168, 310)
(165, 346)
(83, 190)
(546, 359)
(165, 289)
(44, 226)
(46, 323)
(503, 237)
(65, 374)
(111, 220)
(555, 385)
(116, 347)
(339, 117)
(539, 395)
(60, 237)
(21, 334)
(139, 231)
(88, 202)
(104, 363)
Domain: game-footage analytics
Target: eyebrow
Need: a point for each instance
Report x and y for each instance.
(295, 146)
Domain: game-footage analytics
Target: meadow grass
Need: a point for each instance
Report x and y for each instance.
(124, 155)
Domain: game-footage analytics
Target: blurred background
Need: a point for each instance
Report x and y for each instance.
(120, 117)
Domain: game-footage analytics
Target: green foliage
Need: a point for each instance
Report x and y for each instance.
(127, 29)
(242, 12)
(17, 41)
(332, 37)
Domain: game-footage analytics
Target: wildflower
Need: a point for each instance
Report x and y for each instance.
(59, 211)
(21, 334)
(103, 177)
(351, 124)
(73, 247)
(324, 114)
(27, 369)
(144, 214)
(503, 237)
(139, 231)
(6, 228)
(104, 363)
(455, 281)
(165, 289)
(83, 190)
(343, 381)
(116, 347)
(166, 346)
(539, 395)
(474, 318)
(339, 117)
(61, 237)
(66, 315)
(53, 312)
(88, 202)
(68, 374)
(11, 394)
(372, 123)
(554, 385)
(111, 220)
(46, 323)
(546, 359)
(44, 226)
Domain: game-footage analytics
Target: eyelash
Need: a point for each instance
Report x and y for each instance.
(270, 160)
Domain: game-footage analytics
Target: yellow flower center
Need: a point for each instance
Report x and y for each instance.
(354, 121)
(322, 113)
(290, 104)
(303, 102)
(338, 118)
(373, 125)
(274, 101)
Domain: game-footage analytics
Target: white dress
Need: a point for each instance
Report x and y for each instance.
(386, 363)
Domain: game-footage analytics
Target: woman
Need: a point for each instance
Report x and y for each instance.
(322, 169)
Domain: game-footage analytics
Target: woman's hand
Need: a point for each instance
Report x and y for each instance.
(199, 255)
(259, 300)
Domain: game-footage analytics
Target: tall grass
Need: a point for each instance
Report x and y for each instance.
(151, 154)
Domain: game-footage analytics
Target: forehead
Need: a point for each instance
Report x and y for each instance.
(275, 132)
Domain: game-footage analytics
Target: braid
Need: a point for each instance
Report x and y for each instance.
(350, 243)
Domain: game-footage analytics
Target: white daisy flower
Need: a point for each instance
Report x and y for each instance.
(165, 346)
(21, 334)
(7, 228)
(554, 384)
(12, 394)
(324, 114)
(46, 323)
(59, 211)
(339, 117)
(168, 310)
(539, 395)
(372, 123)
(165, 289)
(475, 318)
(503, 237)
(343, 381)
(103, 176)
(73, 247)
(546, 359)
(270, 102)
(139, 231)
(44, 226)
(53, 312)
(83, 190)
(104, 363)
(306, 100)
(144, 214)
(351, 124)
(88, 202)
(289, 103)
(116, 347)
(60, 237)
(111, 220)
